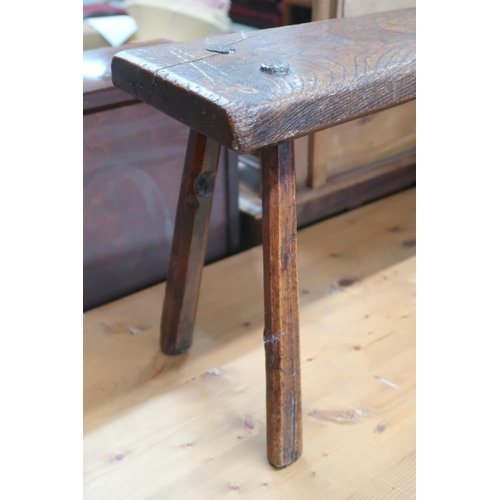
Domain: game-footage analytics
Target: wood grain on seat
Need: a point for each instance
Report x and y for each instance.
(339, 70)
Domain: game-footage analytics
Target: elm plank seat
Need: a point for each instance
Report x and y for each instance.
(259, 91)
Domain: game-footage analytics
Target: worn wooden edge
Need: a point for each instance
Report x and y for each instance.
(242, 149)
(125, 75)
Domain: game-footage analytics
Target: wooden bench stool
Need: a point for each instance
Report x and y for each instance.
(258, 91)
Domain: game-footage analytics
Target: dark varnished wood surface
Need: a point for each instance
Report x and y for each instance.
(281, 304)
(189, 243)
(132, 167)
(339, 70)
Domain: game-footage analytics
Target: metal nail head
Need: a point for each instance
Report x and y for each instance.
(221, 49)
(274, 68)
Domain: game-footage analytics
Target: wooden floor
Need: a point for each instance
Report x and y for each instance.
(193, 426)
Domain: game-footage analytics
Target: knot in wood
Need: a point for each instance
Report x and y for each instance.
(274, 68)
(221, 49)
(204, 185)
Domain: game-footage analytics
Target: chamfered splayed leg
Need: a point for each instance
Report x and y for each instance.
(281, 333)
(189, 243)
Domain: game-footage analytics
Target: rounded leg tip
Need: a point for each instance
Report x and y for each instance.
(173, 350)
(282, 462)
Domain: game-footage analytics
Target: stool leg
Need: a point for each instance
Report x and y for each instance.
(281, 333)
(189, 243)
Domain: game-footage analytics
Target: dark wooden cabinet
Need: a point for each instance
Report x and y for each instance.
(133, 158)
